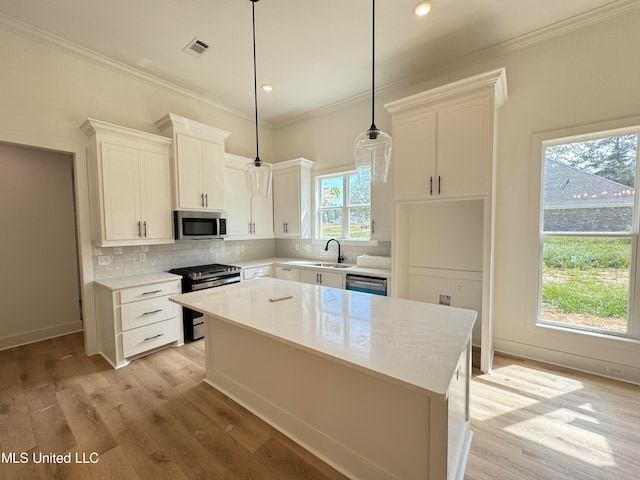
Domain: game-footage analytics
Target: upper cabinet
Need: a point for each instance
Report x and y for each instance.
(198, 163)
(248, 218)
(443, 140)
(292, 198)
(130, 185)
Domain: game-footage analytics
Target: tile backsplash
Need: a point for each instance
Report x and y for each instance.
(122, 261)
(111, 262)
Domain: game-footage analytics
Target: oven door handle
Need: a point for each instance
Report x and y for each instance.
(214, 283)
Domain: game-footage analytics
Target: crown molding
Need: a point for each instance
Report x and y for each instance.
(564, 27)
(614, 9)
(65, 46)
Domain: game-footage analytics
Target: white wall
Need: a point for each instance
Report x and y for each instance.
(39, 285)
(584, 77)
(46, 93)
(588, 76)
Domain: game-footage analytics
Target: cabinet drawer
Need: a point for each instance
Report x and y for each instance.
(149, 291)
(257, 272)
(145, 312)
(146, 338)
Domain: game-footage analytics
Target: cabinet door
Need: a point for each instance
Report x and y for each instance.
(288, 273)
(327, 279)
(213, 175)
(414, 138)
(464, 152)
(121, 184)
(189, 171)
(239, 204)
(262, 216)
(381, 203)
(155, 195)
(286, 204)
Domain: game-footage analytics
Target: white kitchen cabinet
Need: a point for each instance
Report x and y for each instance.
(257, 272)
(326, 279)
(292, 198)
(130, 185)
(287, 273)
(247, 218)
(135, 316)
(444, 149)
(381, 206)
(198, 163)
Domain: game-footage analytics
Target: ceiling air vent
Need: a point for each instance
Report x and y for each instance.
(196, 47)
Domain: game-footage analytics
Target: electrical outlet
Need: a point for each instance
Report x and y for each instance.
(616, 370)
(459, 287)
(104, 260)
(444, 299)
(143, 257)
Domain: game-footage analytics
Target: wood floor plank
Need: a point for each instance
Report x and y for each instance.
(157, 419)
(88, 428)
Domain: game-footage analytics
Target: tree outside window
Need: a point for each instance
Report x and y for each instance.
(345, 205)
(589, 232)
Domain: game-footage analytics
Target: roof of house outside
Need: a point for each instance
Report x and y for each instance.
(570, 187)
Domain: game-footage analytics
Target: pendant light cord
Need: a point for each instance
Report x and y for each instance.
(255, 79)
(373, 66)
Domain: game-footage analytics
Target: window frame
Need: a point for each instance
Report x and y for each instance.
(540, 143)
(344, 173)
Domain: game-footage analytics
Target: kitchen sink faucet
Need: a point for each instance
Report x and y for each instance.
(326, 249)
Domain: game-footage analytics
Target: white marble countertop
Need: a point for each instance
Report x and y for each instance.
(117, 283)
(411, 343)
(306, 263)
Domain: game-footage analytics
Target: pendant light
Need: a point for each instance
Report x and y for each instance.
(372, 149)
(257, 173)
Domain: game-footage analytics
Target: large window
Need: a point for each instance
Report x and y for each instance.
(589, 232)
(344, 201)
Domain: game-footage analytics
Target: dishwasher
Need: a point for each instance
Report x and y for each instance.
(363, 283)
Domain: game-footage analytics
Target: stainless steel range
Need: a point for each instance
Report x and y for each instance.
(199, 278)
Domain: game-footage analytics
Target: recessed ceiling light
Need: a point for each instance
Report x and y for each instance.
(422, 8)
(266, 87)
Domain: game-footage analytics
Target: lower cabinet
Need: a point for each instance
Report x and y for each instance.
(288, 273)
(136, 317)
(257, 272)
(327, 279)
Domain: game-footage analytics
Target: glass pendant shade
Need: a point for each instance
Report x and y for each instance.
(258, 177)
(372, 150)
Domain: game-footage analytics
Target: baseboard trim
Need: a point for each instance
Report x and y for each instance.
(580, 363)
(25, 338)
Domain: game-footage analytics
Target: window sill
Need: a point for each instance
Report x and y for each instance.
(347, 241)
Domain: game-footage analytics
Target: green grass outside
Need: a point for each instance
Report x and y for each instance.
(587, 275)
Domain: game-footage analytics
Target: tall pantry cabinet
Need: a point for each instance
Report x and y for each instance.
(443, 170)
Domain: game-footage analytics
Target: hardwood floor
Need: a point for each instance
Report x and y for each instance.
(156, 419)
(536, 421)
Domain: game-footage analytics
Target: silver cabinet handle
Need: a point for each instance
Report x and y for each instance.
(151, 338)
(151, 313)
(206, 199)
(145, 228)
(139, 231)
(439, 184)
(430, 185)
(373, 229)
(286, 269)
(202, 199)
(151, 292)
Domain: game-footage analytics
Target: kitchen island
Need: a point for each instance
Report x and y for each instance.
(378, 387)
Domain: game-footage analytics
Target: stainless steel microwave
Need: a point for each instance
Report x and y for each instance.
(199, 225)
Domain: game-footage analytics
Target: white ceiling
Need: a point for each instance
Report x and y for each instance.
(315, 53)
